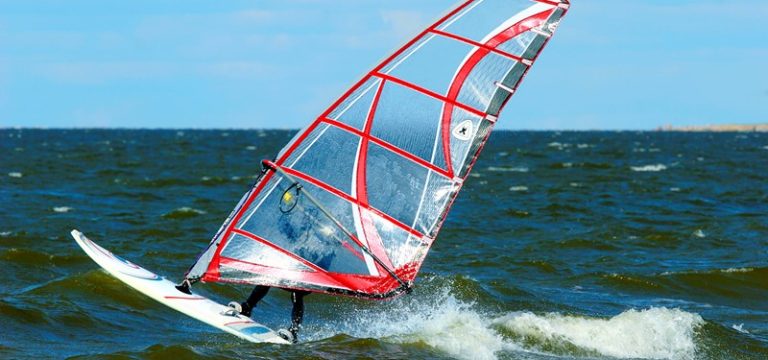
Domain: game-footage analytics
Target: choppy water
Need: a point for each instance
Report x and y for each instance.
(562, 245)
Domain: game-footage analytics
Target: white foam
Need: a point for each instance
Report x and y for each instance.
(62, 209)
(15, 174)
(650, 168)
(711, 271)
(740, 328)
(559, 146)
(250, 147)
(699, 234)
(186, 210)
(518, 188)
(521, 169)
(655, 333)
(440, 321)
(461, 330)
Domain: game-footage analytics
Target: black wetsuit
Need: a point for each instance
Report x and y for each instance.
(297, 313)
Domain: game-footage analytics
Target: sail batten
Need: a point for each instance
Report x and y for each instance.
(355, 200)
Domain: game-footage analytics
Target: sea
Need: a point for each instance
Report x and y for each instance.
(562, 245)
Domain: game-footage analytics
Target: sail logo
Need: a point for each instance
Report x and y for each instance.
(464, 131)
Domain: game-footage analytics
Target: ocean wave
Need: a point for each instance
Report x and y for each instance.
(37, 258)
(710, 272)
(740, 328)
(520, 169)
(213, 180)
(442, 322)
(559, 146)
(649, 168)
(183, 213)
(62, 209)
(15, 174)
(461, 330)
(655, 333)
(518, 188)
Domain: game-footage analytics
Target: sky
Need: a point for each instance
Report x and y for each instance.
(613, 65)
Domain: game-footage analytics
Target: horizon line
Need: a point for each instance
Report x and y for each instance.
(2, 128)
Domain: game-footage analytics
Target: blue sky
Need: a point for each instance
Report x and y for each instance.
(614, 64)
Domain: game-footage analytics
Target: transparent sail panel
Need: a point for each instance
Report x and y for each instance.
(404, 190)
(434, 64)
(297, 225)
(518, 45)
(353, 111)
(479, 85)
(410, 120)
(305, 143)
(480, 20)
(330, 158)
(401, 247)
(254, 252)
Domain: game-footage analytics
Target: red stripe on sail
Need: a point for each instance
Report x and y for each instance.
(263, 241)
(390, 147)
(429, 93)
(477, 44)
(463, 73)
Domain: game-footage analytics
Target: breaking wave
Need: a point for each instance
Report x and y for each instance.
(649, 168)
(459, 329)
(520, 169)
(655, 333)
(183, 213)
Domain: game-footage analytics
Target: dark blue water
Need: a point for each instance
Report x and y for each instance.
(562, 245)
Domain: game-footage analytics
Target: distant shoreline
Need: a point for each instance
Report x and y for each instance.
(717, 128)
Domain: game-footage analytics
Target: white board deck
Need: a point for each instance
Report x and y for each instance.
(164, 291)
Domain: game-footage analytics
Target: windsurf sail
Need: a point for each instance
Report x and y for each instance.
(354, 202)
